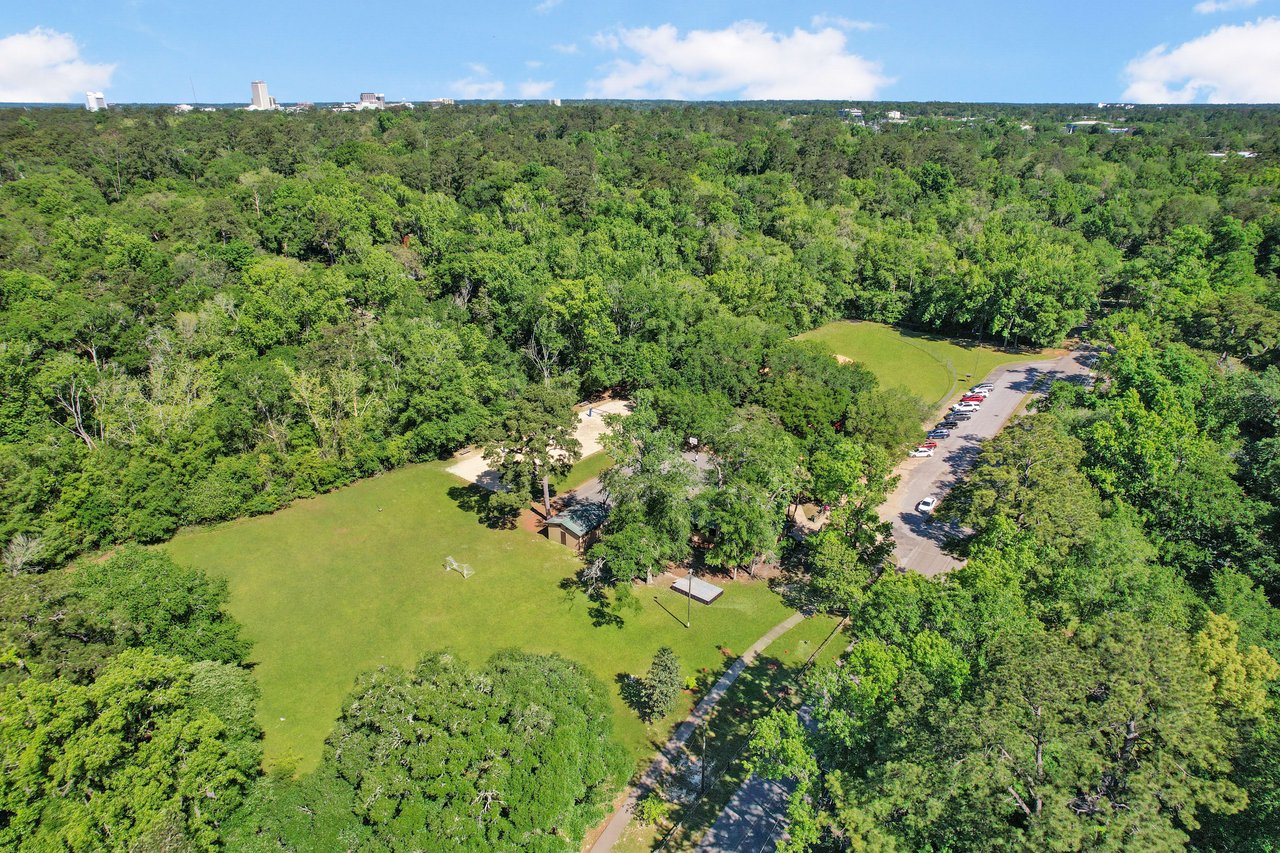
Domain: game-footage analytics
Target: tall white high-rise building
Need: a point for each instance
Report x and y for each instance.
(261, 100)
(94, 101)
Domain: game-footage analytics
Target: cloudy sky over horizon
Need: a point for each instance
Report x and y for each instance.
(1167, 51)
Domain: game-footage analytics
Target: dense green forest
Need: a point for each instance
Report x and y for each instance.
(210, 315)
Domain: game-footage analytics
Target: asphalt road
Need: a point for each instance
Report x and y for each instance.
(753, 821)
(919, 538)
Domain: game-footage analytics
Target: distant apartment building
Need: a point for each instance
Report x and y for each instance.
(261, 99)
(94, 101)
(372, 101)
(853, 116)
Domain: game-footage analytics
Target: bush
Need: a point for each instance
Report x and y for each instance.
(652, 809)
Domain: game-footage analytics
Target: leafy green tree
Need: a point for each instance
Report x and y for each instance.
(1097, 740)
(137, 759)
(533, 440)
(1235, 323)
(48, 632)
(648, 487)
(1029, 473)
(149, 600)
(517, 755)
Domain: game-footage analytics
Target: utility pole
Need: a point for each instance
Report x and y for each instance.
(702, 779)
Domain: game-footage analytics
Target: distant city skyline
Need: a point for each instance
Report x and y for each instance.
(1174, 51)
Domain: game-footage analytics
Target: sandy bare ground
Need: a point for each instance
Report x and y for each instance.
(469, 464)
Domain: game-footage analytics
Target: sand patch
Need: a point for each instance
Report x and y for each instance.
(469, 464)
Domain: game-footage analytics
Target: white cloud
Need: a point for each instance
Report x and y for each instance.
(742, 60)
(533, 63)
(1232, 64)
(535, 88)
(569, 48)
(42, 65)
(1208, 7)
(546, 6)
(478, 84)
(842, 23)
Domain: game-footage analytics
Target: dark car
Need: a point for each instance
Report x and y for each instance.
(959, 416)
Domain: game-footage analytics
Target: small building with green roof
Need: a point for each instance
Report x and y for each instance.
(577, 525)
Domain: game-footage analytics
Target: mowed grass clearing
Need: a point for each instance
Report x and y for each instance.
(348, 581)
(929, 366)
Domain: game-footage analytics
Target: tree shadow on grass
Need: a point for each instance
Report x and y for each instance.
(792, 583)
(605, 610)
(631, 689)
(480, 503)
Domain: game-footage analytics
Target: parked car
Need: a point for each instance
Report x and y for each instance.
(922, 451)
(940, 433)
(949, 424)
(984, 388)
(958, 416)
(929, 444)
(965, 407)
(926, 506)
(973, 398)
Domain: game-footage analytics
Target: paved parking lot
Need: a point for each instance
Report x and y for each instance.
(919, 538)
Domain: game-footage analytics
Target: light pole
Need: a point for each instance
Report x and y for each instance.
(688, 593)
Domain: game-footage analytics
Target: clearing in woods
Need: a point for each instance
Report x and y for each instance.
(929, 366)
(351, 580)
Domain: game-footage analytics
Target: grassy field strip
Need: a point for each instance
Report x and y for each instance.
(586, 468)
(929, 366)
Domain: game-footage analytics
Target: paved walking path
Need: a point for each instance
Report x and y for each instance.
(753, 821)
(670, 752)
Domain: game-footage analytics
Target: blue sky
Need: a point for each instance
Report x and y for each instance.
(992, 50)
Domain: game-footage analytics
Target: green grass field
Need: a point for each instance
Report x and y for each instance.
(928, 366)
(351, 580)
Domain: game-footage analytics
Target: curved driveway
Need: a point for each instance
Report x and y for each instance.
(919, 539)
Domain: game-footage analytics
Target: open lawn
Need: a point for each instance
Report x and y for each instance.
(351, 580)
(929, 366)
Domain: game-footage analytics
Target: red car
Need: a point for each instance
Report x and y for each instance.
(973, 398)
(929, 444)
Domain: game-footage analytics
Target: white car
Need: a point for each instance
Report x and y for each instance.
(984, 388)
(925, 507)
(922, 451)
(966, 407)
